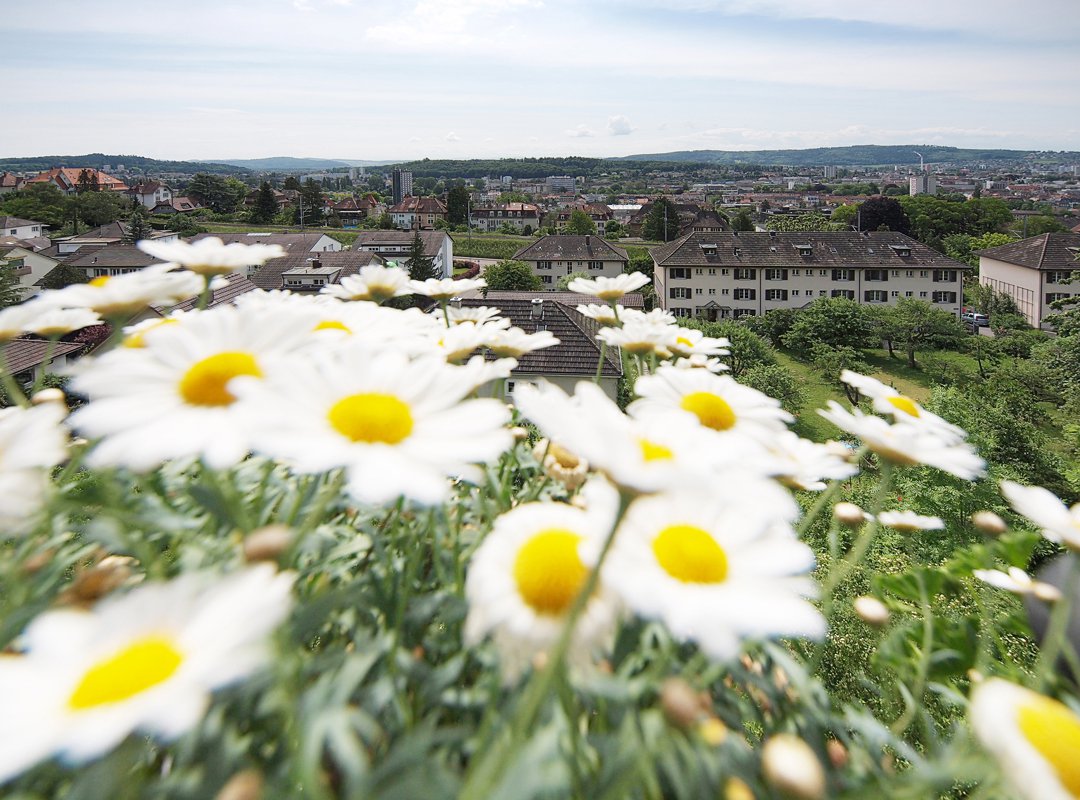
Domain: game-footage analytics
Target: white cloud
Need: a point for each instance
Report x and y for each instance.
(619, 126)
(414, 138)
(580, 132)
(452, 137)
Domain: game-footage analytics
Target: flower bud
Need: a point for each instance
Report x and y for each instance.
(267, 543)
(989, 523)
(790, 767)
(871, 611)
(47, 396)
(246, 785)
(680, 703)
(713, 731)
(838, 754)
(849, 514)
(736, 789)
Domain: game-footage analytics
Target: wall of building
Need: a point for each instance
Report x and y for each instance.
(1022, 284)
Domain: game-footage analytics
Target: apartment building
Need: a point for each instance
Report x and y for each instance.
(552, 257)
(1035, 272)
(417, 213)
(730, 275)
(518, 215)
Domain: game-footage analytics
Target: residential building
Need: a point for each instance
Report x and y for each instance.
(922, 183)
(1034, 272)
(395, 245)
(10, 182)
(29, 265)
(27, 358)
(151, 194)
(729, 275)
(401, 183)
(599, 213)
(116, 259)
(560, 183)
(111, 234)
(353, 210)
(417, 213)
(552, 257)
(574, 359)
(291, 243)
(310, 272)
(66, 179)
(21, 228)
(517, 215)
(177, 205)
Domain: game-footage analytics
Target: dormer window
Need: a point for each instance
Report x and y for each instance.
(805, 249)
(902, 250)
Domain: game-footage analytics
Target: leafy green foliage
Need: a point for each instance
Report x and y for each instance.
(833, 321)
(513, 276)
(580, 223)
(777, 382)
(748, 350)
(794, 223)
(662, 222)
(221, 195)
(420, 266)
(883, 213)
(266, 207)
(916, 325)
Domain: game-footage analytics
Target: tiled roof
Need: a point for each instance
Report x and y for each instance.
(119, 255)
(577, 353)
(24, 354)
(69, 176)
(9, 180)
(814, 249)
(418, 205)
(1045, 251)
(374, 240)
(496, 297)
(349, 262)
(17, 222)
(236, 286)
(291, 242)
(564, 248)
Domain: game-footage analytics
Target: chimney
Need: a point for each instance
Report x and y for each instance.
(537, 309)
(316, 263)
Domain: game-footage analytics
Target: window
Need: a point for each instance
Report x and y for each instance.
(725, 291)
(595, 265)
(698, 271)
(924, 273)
(545, 279)
(821, 293)
(543, 265)
(908, 294)
(724, 272)
(909, 273)
(944, 276)
(794, 292)
(746, 294)
(776, 294)
(1058, 275)
(843, 274)
(944, 297)
(745, 274)
(922, 294)
(680, 312)
(743, 312)
(697, 291)
(776, 274)
(680, 273)
(805, 250)
(509, 387)
(848, 293)
(822, 273)
(895, 293)
(1052, 296)
(795, 272)
(712, 291)
(875, 296)
(877, 275)
(712, 271)
(679, 293)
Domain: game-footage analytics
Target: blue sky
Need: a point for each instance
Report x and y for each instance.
(390, 79)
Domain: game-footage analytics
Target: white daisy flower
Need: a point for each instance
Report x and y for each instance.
(657, 316)
(172, 398)
(460, 341)
(443, 289)
(32, 441)
(605, 314)
(1034, 738)
(374, 282)
(717, 402)
(478, 315)
(480, 371)
(698, 361)
(805, 464)
(909, 521)
(644, 455)
(640, 337)
(211, 256)
(609, 289)
(135, 335)
(525, 575)
(691, 342)
(43, 320)
(514, 342)
(716, 569)
(907, 445)
(887, 400)
(120, 295)
(146, 661)
(398, 427)
(560, 464)
(1018, 582)
(1045, 509)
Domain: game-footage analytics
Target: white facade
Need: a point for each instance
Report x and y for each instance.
(1032, 289)
(21, 228)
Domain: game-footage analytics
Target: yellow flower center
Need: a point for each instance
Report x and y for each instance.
(1054, 730)
(689, 554)
(562, 456)
(712, 410)
(651, 451)
(332, 325)
(140, 666)
(372, 417)
(100, 280)
(905, 404)
(548, 571)
(610, 294)
(682, 340)
(138, 339)
(206, 382)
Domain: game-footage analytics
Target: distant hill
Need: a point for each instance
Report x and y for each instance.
(285, 164)
(867, 155)
(101, 160)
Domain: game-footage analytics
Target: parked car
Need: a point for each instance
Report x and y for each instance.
(975, 320)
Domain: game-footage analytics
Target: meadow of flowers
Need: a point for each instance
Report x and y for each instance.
(300, 546)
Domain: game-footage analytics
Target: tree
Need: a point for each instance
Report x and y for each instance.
(100, 208)
(916, 325)
(991, 302)
(833, 321)
(773, 324)
(41, 202)
(580, 224)
(742, 221)
(1034, 226)
(801, 222)
(662, 221)
(563, 284)
(457, 203)
(63, 275)
(87, 182)
(962, 247)
(265, 204)
(310, 209)
(220, 195)
(138, 227)
(512, 275)
(613, 230)
(778, 382)
(420, 266)
(883, 213)
(293, 183)
(10, 287)
(748, 350)
(386, 222)
(846, 215)
(832, 360)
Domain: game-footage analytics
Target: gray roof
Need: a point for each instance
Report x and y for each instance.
(570, 248)
(577, 353)
(373, 240)
(496, 297)
(111, 232)
(348, 262)
(117, 255)
(813, 249)
(23, 354)
(291, 242)
(17, 222)
(236, 285)
(1045, 251)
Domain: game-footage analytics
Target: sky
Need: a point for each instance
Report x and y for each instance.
(407, 79)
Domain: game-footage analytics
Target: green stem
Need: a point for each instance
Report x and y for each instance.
(840, 571)
(11, 386)
(923, 671)
(1054, 640)
(204, 295)
(825, 498)
(50, 348)
(600, 362)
